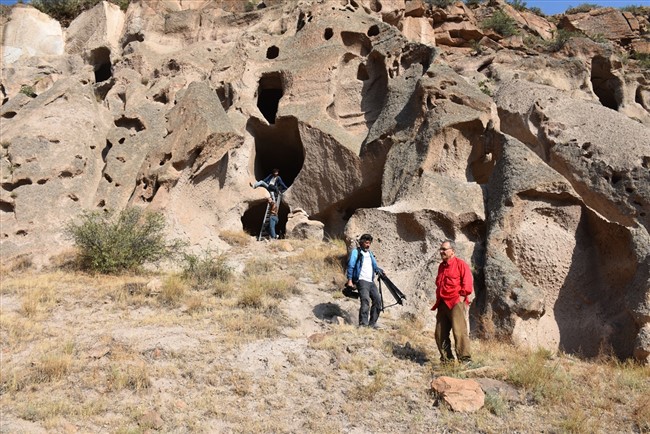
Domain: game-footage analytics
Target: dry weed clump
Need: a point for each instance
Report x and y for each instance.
(263, 291)
(321, 262)
(16, 328)
(196, 304)
(543, 377)
(173, 291)
(251, 297)
(365, 390)
(129, 291)
(243, 325)
(53, 365)
(38, 299)
(202, 272)
(134, 377)
(18, 264)
(257, 266)
(235, 238)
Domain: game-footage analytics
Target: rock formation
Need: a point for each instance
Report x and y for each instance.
(413, 122)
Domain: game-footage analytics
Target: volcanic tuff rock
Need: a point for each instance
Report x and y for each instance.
(412, 122)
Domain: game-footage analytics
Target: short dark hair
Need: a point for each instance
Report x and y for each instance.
(365, 237)
(275, 170)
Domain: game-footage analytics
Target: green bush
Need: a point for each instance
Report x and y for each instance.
(583, 7)
(110, 244)
(67, 10)
(519, 5)
(473, 3)
(636, 9)
(501, 23)
(249, 6)
(560, 39)
(441, 3)
(643, 59)
(28, 90)
(203, 271)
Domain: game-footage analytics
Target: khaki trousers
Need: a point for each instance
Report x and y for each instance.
(452, 320)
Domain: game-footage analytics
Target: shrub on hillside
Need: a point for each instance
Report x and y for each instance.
(501, 23)
(560, 39)
(637, 9)
(206, 270)
(65, 11)
(473, 3)
(643, 59)
(519, 5)
(583, 7)
(114, 243)
(441, 3)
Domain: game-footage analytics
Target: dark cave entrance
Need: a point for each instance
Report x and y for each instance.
(336, 216)
(606, 85)
(277, 146)
(100, 59)
(254, 216)
(269, 93)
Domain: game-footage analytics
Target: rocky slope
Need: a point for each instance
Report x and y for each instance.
(410, 121)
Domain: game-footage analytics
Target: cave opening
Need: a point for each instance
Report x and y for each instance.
(277, 146)
(269, 93)
(606, 85)
(253, 218)
(100, 58)
(272, 52)
(336, 216)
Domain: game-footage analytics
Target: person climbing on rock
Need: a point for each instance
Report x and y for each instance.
(273, 183)
(273, 218)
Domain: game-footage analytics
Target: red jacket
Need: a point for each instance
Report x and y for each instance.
(454, 280)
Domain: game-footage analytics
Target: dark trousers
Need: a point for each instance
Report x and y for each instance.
(452, 320)
(368, 292)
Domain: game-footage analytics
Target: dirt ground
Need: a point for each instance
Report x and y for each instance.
(151, 353)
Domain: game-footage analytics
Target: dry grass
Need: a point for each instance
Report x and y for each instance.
(257, 266)
(173, 291)
(235, 238)
(134, 377)
(102, 354)
(542, 376)
(321, 262)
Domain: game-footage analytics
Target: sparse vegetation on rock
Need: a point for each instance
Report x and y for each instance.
(582, 7)
(66, 11)
(501, 23)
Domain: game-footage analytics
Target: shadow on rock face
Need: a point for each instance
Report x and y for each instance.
(591, 310)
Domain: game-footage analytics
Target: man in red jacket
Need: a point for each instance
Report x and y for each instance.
(453, 287)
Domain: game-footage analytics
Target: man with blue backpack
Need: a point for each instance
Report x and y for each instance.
(362, 267)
